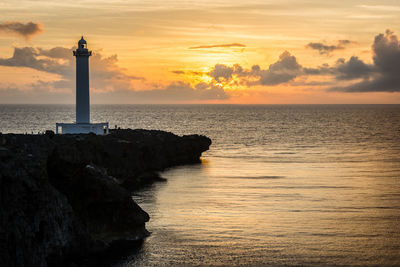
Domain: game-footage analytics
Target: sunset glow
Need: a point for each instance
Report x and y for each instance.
(222, 51)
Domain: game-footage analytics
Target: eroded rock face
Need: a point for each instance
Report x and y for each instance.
(62, 196)
(37, 224)
(129, 154)
(106, 210)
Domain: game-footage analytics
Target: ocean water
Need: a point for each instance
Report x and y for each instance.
(281, 184)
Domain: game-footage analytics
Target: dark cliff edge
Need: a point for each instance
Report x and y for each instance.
(64, 197)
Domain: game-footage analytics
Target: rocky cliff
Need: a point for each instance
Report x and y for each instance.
(63, 197)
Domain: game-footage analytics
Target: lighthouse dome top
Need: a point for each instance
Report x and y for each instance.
(82, 43)
(82, 48)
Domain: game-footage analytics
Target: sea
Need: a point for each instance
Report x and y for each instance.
(295, 185)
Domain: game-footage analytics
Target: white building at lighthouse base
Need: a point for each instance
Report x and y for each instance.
(79, 128)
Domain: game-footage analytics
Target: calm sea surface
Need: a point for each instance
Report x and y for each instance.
(281, 185)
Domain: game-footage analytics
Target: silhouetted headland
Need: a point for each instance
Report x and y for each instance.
(64, 197)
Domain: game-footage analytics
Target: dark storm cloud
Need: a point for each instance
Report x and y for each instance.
(324, 49)
(383, 75)
(282, 71)
(26, 30)
(218, 46)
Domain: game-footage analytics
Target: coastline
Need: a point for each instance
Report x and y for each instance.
(65, 197)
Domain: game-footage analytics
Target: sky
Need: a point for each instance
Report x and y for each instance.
(187, 51)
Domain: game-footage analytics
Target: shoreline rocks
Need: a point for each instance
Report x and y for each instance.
(64, 197)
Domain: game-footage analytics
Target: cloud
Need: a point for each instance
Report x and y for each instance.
(30, 57)
(221, 71)
(352, 69)
(57, 52)
(105, 73)
(324, 69)
(110, 81)
(383, 75)
(327, 49)
(180, 92)
(25, 30)
(380, 76)
(218, 46)
(175, 92)
(106, 78)
(284, 70)
(178, 71)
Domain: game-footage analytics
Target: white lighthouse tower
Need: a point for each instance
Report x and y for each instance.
(82, 124)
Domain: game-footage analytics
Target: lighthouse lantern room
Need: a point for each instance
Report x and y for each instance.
(82, 124)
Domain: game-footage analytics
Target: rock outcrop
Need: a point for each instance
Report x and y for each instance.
(63, 197)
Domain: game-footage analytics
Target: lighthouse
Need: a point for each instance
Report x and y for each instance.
(82, 106)
(82, 55)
